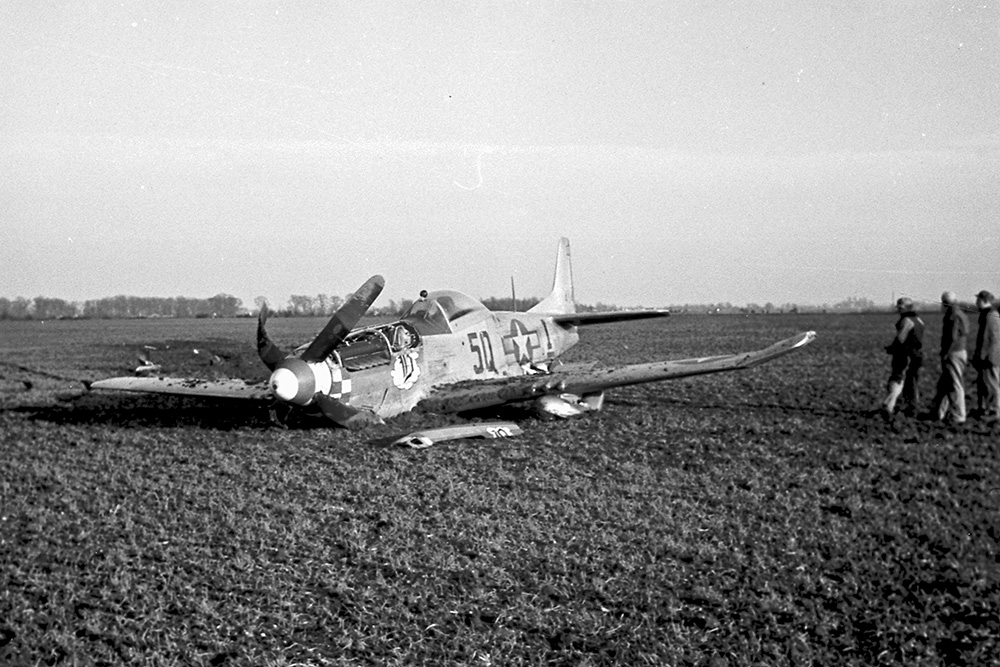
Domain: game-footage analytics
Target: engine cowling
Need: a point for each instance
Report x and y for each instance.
(298, 382)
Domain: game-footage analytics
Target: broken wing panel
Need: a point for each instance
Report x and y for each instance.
(598, 378)
(229, 388)
(583, 379)
(488, 430)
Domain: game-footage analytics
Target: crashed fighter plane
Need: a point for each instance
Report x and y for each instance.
(447, 353)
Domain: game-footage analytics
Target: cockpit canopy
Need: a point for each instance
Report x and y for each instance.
(445, 311)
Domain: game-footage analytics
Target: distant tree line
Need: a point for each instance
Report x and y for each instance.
(324, 305)
(220, 305)
(120, 307)
(849, 305)
(301, 305)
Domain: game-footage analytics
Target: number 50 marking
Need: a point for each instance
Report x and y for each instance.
(480, 344)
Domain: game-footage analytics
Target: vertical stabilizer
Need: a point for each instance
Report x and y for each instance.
(560, 300)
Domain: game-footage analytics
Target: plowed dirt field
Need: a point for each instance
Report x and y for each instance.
(750, 518)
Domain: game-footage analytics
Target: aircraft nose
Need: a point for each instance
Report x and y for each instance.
(284, 384)
(294, 381)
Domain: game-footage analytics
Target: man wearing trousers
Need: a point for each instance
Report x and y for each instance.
(907, 358)
(986, 358)
(949, 400)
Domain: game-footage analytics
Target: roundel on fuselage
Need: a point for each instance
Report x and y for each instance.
(521, 342)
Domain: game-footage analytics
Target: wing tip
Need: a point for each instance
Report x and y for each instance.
(804, 339)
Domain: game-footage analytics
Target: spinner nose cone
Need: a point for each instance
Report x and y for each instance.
(284, 384)
(294, 381)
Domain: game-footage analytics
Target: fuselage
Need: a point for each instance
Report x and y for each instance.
(446, 338)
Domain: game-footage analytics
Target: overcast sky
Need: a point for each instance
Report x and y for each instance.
(691, 151)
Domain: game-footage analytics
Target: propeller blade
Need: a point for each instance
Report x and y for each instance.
(345, 415)
(345, 319)
(269, 353)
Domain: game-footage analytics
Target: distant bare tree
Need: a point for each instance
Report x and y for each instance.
(328, 304)
(185, 307)
(224, 305)
(45, 308)
(16, 309)
(322, 304)
(301, 304)
(386, 310)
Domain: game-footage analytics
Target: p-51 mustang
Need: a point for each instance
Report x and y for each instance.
(447, 353)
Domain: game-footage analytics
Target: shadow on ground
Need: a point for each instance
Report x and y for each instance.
(142, 411)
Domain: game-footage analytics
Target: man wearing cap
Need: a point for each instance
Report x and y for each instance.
(949, 400)
(986, 358)
(907, 358)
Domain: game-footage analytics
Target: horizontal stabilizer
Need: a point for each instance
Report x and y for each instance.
(578, 319)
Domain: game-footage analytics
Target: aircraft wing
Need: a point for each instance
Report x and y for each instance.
(227, 388)
(577, 319)
(580, 379)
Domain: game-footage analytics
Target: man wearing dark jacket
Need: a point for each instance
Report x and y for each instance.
(949, 401)
(907, 358)
(986, 358)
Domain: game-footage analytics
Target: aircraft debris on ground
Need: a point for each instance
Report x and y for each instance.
(489, 430)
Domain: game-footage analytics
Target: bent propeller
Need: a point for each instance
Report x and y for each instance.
(298, 380)
(332, 335)
(269, 353)
(345, 319)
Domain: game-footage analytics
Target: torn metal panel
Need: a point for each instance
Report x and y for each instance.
(489, 430)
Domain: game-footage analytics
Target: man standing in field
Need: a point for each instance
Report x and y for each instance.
(907, 358)
(986, 358)
(949, 401)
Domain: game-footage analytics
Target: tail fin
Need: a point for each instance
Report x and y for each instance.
(560, 299)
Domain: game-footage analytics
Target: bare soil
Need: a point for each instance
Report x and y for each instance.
(749, 518)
